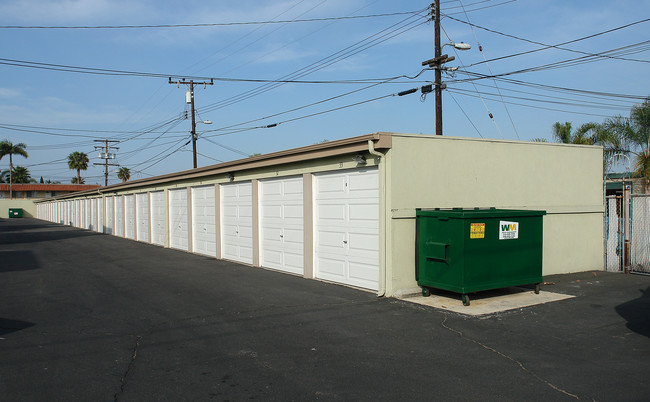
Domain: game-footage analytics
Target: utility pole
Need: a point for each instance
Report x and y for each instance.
(106, 154)
(438, 73)
(191, 83)
(437, 62)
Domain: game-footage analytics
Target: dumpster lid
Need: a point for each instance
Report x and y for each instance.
(461, 213)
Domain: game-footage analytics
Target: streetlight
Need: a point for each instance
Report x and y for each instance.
(458, 46)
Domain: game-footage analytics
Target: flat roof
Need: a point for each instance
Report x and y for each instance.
(381, 141)
(48, 187)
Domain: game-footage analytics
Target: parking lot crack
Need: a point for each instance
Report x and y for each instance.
(123, 379)
(510, 358)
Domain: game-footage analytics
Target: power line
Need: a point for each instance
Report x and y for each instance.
(466, 116)
(203, 25)
(480, 48)
(531, 106)
(556, 46)
(628, 49)
(359, 46)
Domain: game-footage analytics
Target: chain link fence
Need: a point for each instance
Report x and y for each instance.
(627, 233)
(640, 233)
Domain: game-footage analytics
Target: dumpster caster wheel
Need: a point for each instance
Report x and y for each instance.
(537, 288)
(426, 292)
(465, 300)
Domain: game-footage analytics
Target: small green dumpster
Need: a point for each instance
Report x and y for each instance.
(471, 250)
(15, 212)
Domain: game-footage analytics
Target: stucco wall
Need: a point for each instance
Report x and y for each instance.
(29, 209)
(446, 172)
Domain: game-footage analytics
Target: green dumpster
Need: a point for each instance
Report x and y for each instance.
(471, 250)
(15, 212)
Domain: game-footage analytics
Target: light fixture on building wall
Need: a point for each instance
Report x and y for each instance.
(231, 177)
(359, 159)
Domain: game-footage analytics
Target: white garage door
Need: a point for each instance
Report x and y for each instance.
(93, 214)
(89, 214)
(142, 216)
(204, 222)
(119, 216)
(237, 222)
(158, 218)
(77, 214)
(110, 215)
(100, 215)
(129, 216)
(346, 217)
(178, 230)
(281, 224)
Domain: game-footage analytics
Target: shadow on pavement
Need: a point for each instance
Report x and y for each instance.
(9, 237)
(637, 313)
(8, 326)
(17, 260)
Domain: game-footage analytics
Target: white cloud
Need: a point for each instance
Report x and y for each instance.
(10, 93)
(69, 11)
(57, 112)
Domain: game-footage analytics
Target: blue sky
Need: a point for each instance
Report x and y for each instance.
(58, 112)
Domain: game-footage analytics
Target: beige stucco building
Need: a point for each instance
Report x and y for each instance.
(344, 211)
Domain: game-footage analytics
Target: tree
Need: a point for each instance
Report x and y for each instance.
(589, 134)
(77, 180)
(21, 175)
(635, 135)
(124, 174)
(8, 148)
(78, 161)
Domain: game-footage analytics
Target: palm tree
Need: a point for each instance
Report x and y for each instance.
(21, 175)
(124, 174)
(8, 148)
(78, 161)
(589, 134)
(77, 180)
(634, 133)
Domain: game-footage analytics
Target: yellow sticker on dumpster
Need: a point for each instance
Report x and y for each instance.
(477, 230)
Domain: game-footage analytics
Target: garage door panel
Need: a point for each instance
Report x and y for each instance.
(246, 253)
(281, 224)
(237, 222)
(178, 224)
(158, 217)
(294, 262)
(272, 234)
(360, 241)
(360, 185)
(347, 227)
(331, 268)
(363, 275)
(119, 216)
(365, 212)
(129, 207)
(142, 216)
(204, 224)
(332, 212)
(273, 259)
(293, 237)
(272, 212)
(293, 211)
(330, 186)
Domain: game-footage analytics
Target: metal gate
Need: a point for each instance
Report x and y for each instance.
(627, 233)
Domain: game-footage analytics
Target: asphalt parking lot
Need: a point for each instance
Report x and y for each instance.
(85, 316)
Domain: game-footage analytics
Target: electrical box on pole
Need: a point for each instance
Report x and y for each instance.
(189, 98)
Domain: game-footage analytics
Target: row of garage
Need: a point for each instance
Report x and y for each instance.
(257, 222)
(344, 210)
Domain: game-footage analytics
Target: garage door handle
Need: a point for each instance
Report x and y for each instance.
(345, 242)
(281, 235)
